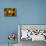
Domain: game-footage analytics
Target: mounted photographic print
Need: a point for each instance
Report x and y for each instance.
(9, 11)
(32, 32)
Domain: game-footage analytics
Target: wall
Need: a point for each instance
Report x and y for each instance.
(28, 12)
